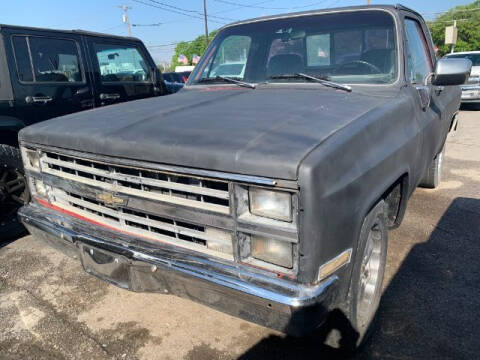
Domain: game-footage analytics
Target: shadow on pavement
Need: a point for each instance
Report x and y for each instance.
(430, 310)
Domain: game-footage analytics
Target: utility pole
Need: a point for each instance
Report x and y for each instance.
(455, 27)
(368, 2)
(205, 19)
(125, 19)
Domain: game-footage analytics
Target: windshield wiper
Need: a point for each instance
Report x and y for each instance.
(320, 80)
(227, 79)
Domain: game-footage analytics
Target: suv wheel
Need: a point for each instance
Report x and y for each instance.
(13, 192)
(433, 176)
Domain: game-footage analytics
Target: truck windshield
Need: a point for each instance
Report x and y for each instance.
(352, 47)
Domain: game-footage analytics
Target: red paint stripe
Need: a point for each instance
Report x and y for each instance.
(83, 218)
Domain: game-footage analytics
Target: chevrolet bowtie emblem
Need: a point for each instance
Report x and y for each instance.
(110, 199)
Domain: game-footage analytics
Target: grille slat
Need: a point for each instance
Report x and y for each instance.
(154, 228)
(143, 220)
(207, 194)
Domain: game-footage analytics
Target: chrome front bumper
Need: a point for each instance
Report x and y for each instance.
(276, 303)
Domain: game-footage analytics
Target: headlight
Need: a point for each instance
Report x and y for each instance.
(276, 252)
(271, 204)
(31, 159)
(219, 240)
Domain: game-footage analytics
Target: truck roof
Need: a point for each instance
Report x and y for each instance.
(323, 11)
(74, 31)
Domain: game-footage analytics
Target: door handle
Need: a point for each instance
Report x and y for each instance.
(113, 96)
(82, 91)
(38, 99)
(438, 90)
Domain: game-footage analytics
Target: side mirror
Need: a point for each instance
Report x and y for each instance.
(451, 72)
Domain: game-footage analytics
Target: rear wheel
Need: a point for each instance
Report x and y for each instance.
(433, 176)
(13, 192)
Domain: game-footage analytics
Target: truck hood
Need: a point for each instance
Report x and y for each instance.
(263, 132)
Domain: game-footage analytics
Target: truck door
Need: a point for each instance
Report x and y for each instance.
(430, 111)
(122, 71)
(48, 75)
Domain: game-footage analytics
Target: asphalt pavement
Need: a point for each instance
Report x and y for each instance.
(430, 309)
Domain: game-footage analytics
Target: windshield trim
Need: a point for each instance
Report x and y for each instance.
(393, 14)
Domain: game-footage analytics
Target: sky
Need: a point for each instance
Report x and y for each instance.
(179, 19)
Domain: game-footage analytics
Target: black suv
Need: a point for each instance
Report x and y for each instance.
(48, 73)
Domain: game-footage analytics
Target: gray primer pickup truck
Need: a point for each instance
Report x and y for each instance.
(266, 193)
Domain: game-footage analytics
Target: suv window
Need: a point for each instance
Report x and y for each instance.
(22, 58)
(121, 63)
(419, 62)
(55, 60)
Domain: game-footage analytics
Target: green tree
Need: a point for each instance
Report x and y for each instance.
(190, 48)
(468, 24)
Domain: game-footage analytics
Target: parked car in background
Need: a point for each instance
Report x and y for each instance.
(471, 90)
(268, 195)
(175, 80)
(48, 73)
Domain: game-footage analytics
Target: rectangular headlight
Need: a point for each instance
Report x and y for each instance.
(271, 204)
(273, 251)
(219, 240)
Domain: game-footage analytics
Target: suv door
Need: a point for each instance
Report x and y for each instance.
(428, 99)
(122, 71)
(48, 75)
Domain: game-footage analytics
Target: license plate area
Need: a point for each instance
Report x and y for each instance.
(106, 265)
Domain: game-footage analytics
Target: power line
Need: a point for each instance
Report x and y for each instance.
(175, 11)
(267, 7)
(196, 12)
(239, 7)
(156, 24)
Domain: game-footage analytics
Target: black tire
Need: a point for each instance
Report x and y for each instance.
(351, 327)
(13, 192)
(433, 176)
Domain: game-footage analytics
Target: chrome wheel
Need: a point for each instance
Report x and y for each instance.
(439, 165)
(369, 277)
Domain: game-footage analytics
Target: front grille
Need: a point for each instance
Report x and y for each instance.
(138, 223)
(179, 189)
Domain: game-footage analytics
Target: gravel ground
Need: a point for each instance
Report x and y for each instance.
(50, 308)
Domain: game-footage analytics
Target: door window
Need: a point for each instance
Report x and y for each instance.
(121, 63)
(55, 60)
(231, 57)
(22, 58)
(419, 62)
(318, 50)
